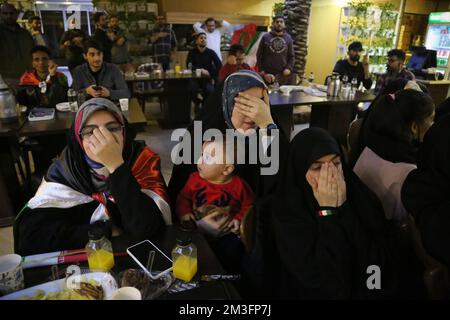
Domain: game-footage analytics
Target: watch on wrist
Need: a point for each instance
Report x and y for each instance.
(271, 126)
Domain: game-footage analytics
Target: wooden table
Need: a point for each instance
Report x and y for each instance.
(208, 264)
(63, 122)
(176, 93)
(332, 114)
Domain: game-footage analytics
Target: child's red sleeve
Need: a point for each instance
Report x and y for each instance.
(247, 200)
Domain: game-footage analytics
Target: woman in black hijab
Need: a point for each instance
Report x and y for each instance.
(425, 192)
(102, 176)
(328, 228)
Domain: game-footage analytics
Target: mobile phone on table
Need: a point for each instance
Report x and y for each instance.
(140, 253)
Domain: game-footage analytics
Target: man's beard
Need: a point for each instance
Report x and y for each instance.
(355, 58)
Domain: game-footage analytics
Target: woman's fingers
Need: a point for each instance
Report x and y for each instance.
(98, 134)
(93, 139)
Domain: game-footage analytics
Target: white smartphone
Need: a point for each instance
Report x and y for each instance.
(140, 253)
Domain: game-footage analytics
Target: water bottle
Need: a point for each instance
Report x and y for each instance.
(72, 96)
(354, 84)
(190, 66)
(334, 86)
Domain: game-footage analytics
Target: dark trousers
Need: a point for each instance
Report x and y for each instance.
(204, 86)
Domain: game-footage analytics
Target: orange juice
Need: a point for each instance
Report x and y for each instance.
(101, 260)
(185, 267)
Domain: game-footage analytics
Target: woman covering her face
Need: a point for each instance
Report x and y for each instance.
(102, 175)
(327, 229)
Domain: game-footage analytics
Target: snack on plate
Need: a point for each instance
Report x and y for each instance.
(89, 290)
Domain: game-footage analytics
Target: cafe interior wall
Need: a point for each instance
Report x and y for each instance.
(324, 25)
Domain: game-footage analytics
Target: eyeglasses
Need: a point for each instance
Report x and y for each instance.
(392, 60)
(88, 131)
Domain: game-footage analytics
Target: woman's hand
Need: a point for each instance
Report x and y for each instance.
(187, 217)
(106, 148)
(214, 224)
(255, 108)
(341, 187)
(326, 190)
(234, 226)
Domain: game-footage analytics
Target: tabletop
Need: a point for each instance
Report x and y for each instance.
(208, 264)
(277, 99)
(63, 121)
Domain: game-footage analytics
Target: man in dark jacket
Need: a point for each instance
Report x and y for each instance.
(43, 86)
(101, 35)
(275, 55)
(353, 68)
(207, 60)
(15, 44)
(97, 78)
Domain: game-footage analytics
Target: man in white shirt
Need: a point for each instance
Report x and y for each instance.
(213, 34)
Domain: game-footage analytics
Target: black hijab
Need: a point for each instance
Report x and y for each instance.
(71, 167)
(425, 192)
(385, 126)
(358, 235)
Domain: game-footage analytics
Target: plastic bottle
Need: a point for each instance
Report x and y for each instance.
(184, 257)
(99, 250)
(72, 96)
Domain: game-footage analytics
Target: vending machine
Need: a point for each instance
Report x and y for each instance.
(438, 38)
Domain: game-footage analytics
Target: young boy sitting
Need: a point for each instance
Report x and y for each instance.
(214, 188)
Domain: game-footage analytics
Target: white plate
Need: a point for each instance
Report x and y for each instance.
(107, 281)
(63, 106)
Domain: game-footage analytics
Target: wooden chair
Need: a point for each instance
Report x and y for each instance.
(248, 230)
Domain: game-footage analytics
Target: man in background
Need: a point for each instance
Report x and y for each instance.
(119, 51)
(395, 69)
(275, 56)
(72, 47)
(353, 68)
(101, 35)
(35, 30)
(98, 78)
(15, 45)
(207, 61)
(235, 62)
(164, 42)
(213, 33)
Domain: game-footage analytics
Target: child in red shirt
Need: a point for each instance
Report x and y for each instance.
(214, 187)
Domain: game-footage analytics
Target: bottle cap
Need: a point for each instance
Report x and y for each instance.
(184, 241)
(95, 232)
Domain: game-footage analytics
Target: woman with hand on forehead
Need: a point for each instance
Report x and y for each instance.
(103, 176)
